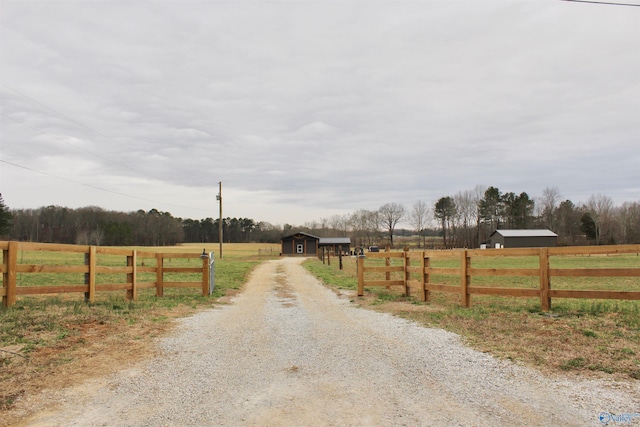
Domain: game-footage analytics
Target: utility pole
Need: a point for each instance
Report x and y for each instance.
(219, 198)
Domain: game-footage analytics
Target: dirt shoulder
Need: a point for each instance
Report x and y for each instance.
(93, 350)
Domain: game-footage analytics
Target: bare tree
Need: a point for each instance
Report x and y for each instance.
(600, 207)
(390, 215)
(627, 219)
(548, 204)
(420, 216)
(339, 224)
(364, 226)
(466, 203)
(476, 194)
(97, 235)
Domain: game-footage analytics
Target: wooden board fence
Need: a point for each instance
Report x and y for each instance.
(420, 264)
(130, 270)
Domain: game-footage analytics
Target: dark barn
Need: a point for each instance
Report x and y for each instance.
(305, 244)
(523, 239)
(302, 244)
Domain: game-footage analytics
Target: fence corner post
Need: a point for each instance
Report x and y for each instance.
(545, 283)
(9, 281)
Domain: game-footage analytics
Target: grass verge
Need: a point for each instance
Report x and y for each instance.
(51, 342)
(580, 337)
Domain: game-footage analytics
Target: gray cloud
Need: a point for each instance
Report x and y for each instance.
(306, 109)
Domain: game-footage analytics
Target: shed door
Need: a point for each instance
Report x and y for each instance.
(299, 248)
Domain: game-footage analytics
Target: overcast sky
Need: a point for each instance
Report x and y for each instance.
(307, 109)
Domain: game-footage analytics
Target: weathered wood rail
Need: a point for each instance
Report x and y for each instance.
(420, 264)
(130, 271)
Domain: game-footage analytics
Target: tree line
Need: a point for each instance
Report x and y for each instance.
(468, 218)
(465, 219)
(96, 226)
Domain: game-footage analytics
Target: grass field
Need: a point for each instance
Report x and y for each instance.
(594, 337)
(52, 341)
(530, 262)
(44, 334)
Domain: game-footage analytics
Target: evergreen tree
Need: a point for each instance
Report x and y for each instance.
(5, 218)
(445, 211)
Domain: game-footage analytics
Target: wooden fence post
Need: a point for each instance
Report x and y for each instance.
(159, 275)
(426, 277)
(545, 283)
(465, 279)
(90, 276)
(360, 264)
(10, 259)
(387, 263)
(132, 294)
(407, 273)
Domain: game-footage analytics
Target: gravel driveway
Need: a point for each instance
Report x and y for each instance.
(288, 351)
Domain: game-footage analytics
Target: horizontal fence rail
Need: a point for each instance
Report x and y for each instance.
(86, 265)
(416, 274)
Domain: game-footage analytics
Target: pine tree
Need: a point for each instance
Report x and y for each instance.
(5, 217)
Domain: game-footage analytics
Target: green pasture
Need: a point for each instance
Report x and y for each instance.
(527, 282)
(589, 336)
(630, 310)
(37, 321)
(230, 271)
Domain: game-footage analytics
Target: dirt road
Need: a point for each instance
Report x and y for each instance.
(288, 351)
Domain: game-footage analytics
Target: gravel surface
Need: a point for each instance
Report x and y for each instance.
(288, 351)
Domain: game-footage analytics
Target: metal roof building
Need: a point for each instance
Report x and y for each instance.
(523, 239)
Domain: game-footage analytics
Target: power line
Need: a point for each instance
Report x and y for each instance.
(55, 111)
(60, 138)
(41, 132)
(98, 188)
(64, 116)
(603, 2)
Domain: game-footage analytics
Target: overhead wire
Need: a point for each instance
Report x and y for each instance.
(603, 2)
(55, 111)
(80, 149)
(64, 116)
(41, 132)
(98, 188)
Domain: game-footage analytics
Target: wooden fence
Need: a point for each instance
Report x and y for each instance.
(133, 266)
(419, 264)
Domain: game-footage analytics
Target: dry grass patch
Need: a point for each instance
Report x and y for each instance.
(572, 343)
(87, 348)
(591, 338)
(53, 342)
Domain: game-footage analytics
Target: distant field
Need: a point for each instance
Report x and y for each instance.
(230, 270)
